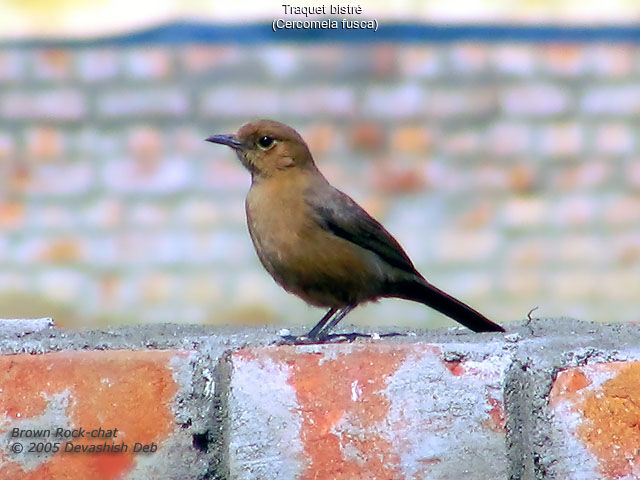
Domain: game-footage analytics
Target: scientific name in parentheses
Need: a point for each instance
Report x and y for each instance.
(326, 24)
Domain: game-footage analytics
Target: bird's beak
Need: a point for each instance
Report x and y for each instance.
(228, 140)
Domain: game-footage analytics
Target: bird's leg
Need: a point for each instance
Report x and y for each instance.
(320, 325)
(322, 333)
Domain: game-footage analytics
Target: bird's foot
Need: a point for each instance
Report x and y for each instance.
(297, 340)
(333, 338)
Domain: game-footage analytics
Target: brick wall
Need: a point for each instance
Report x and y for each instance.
(551, 399)
(509, 171)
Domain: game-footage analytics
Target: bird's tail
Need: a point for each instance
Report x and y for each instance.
(424, 292)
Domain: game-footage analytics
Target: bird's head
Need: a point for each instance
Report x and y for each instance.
(267, 148)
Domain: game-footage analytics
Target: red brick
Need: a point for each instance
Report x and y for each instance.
(11, 215)
(394, 177)
(52, 64)
(469, 59)
(612, 60)
(45, 142)
(131, 391)
(565, 60)
(411, 139)
(148, 62)
(368, 137)
(596, 407)
(365, 411)
(419, 61)
(204, 58)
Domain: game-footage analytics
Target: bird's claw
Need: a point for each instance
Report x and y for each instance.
(332, 338)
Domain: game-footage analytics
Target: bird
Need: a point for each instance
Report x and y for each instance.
(317, 242)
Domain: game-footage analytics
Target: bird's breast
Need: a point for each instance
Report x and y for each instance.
(303, 257)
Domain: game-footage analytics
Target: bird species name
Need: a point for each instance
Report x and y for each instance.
(60, 432)
(326, 23)
(307, 10)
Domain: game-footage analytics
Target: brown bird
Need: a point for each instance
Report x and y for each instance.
(318, 243)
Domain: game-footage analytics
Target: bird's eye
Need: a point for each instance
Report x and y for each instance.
(266, 142)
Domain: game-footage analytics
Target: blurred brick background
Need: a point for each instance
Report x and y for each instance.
(509, 171)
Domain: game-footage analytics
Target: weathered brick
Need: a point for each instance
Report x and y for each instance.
(397, 177)
(367, 137)
(411, 139)
(148, 215)
(625, 250)
(156, 288)
(528, 253)
(148, 63)
(201, 59)
(140, 102)
(515, 60)
(12, 64)
(52, 216)
(149, 176)
(619, 284)
(420, 61)
(65, 249)
(562, 139)
(616, 61)
(615, 139)
(224, 174)
(92, 390)
(468, 59)
(281, 62)
(321, 137)
(198, 213)
(460, 102)
(509, 138)
(7, 146)
(523, 283)
(45, 142)
(574, 285)
(52, 64)
(476, 216)
(585, 175)
(363, 411)
(564, 59)
(12, 215)
(59, 104)
(98, 65)
(241, 102)
(146, 145)
(102, 213)
(467, 246)
(578, 249)
(611, 100)
(632, 173)
(622, 210)
(62, 284)
(61, 179)
(319, 101)
(396, 102)
(227, 247)
(535, 100)
(522, 178)
(575, 210)
(464, 142)
(594, 413)
(203, 288)
(525, 212)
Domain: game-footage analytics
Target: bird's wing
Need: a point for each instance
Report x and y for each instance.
(341, 215)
